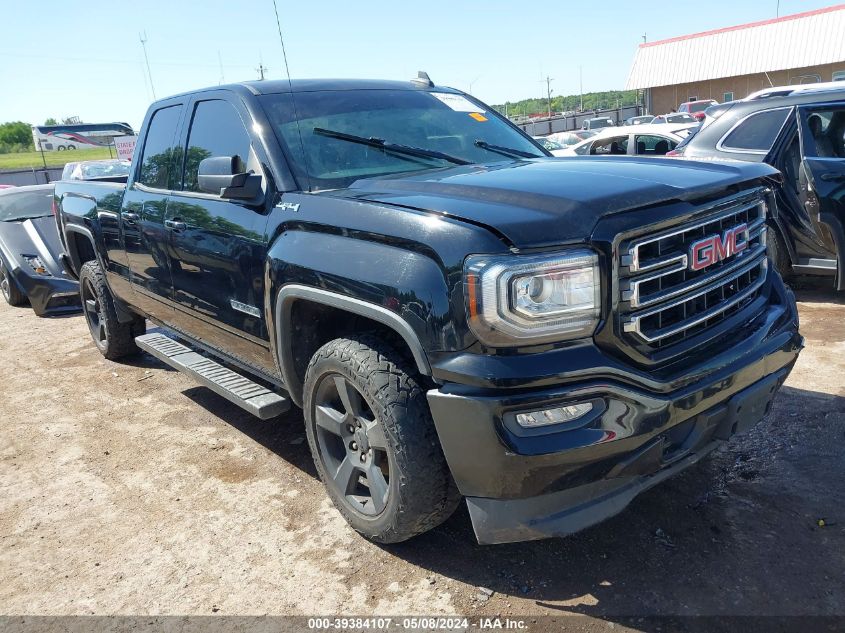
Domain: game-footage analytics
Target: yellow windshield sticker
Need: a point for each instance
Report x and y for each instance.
(477, 116)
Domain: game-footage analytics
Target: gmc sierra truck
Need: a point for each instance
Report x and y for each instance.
(459, 315)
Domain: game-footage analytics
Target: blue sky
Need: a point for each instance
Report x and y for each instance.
(60, 58)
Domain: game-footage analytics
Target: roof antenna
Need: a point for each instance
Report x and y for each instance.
(423, 80)
(290, 84)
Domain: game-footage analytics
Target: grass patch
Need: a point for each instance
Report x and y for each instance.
(29, 160)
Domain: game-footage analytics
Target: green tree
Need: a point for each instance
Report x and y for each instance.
(16, 133)
(51, 121)
(570, 103)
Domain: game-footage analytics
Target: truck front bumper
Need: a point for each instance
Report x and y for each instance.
(528, 484)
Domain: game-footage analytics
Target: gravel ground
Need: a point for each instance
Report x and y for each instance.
(127, 489)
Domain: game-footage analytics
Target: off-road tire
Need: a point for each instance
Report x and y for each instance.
(778, 254)
(115, 340)
(11, 292)
(421, 492)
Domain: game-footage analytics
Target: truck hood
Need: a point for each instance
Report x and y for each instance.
(551, 201)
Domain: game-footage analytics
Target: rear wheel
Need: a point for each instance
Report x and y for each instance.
(113, 338)
(11, 293)
(374, 442)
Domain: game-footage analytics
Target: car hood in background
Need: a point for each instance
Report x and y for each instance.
(551, 201)
(39, 236)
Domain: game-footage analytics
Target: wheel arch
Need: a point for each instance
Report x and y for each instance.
(8, 265)
(287, 324)
(81, 246)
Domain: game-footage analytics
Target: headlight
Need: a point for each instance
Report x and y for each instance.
(37, 265)
(517, 300)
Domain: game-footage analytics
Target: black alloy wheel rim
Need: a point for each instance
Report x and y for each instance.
(4, 286)
(351, 445)
(94, 314)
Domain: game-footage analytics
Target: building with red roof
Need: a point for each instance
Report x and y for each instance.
(731, 63)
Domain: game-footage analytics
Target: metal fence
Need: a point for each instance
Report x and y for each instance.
(565, 123)
(21, 177)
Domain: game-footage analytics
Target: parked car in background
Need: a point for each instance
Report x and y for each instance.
(572, 137)
(800, 130)
(697, 108)
(639, 120)
(551, 145)
(640, 140)
(597, 123)
(114, 170)
(457, 313)
(675, 117)
(6, 186)
(29, 253)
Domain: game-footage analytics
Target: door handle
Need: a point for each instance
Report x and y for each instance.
(130, 218)
(176, 225)
(832, 176)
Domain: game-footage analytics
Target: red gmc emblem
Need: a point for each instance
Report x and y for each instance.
(715, 248)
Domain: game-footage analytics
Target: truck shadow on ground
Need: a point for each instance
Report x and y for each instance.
(734, 534)
(816, 290)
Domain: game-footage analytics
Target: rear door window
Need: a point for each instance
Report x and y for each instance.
(824, 132)
(653, 145)
(757, 132)
(162, 157)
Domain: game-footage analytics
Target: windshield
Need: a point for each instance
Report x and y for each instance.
(23, 205)
(104, 169)
(446, 123)
(690, 133)
(549, 144)
(700, 106)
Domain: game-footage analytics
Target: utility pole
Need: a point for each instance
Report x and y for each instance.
(143, 38)
(472, 83)
(220, 61)
(581, 85)
(549, 81)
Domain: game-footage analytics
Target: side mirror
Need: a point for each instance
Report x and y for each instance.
(224, 176)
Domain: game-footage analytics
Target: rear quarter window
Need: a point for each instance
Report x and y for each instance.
(757, 132)
(161, 154)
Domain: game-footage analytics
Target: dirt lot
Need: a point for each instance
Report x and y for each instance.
(124, 488)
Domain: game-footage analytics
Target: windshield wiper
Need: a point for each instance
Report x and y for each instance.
(507, 151)
(380, 143)
(24, 218)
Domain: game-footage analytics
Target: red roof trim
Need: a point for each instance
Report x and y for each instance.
(794, 16)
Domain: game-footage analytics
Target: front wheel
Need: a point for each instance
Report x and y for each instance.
(777, 254)
(11, 293)
(113, 338)
(373, 440)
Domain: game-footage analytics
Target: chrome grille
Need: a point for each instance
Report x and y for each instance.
(664, 301)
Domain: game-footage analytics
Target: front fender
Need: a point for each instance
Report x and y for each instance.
(79, 216)
(400, 288)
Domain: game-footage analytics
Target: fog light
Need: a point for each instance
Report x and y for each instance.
(557, 415)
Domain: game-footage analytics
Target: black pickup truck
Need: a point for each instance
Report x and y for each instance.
(458, 314)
